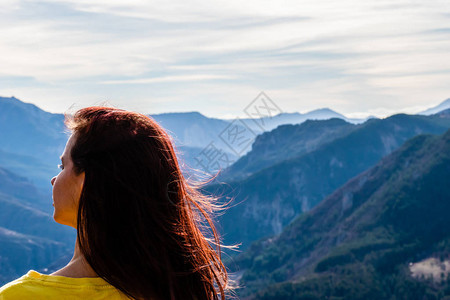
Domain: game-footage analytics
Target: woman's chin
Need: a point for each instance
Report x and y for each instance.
(56, 216)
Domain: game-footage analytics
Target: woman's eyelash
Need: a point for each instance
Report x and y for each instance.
(60, 166)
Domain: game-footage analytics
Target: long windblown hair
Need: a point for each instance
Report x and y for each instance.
(140, 225)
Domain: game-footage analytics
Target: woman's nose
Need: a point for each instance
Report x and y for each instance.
(53, 180)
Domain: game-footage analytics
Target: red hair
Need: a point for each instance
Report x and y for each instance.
(140, 225)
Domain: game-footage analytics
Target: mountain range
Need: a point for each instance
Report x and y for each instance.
(288, 172)
(32, 137)
(372, 238)
(267, 200)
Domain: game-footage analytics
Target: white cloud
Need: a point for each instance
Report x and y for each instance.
(9, 5)
(167, 79)
(350, 55)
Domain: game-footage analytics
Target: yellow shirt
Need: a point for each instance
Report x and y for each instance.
(35, 285)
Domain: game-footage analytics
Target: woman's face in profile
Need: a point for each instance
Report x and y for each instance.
(67, 186)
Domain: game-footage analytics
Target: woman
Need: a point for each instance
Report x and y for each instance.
(141, 228)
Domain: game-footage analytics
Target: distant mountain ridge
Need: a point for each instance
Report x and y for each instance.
(31, 140)
(271, 122)
(26, 125)
(30, 136)
(285, 142)
(440, 107)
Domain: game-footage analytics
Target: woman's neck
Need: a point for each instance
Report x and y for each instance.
(77, 267)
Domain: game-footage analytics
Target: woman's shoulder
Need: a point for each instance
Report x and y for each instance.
(35, 285)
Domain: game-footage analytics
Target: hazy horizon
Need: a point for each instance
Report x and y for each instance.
(230, 117)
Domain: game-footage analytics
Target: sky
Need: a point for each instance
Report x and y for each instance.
(356, 57)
